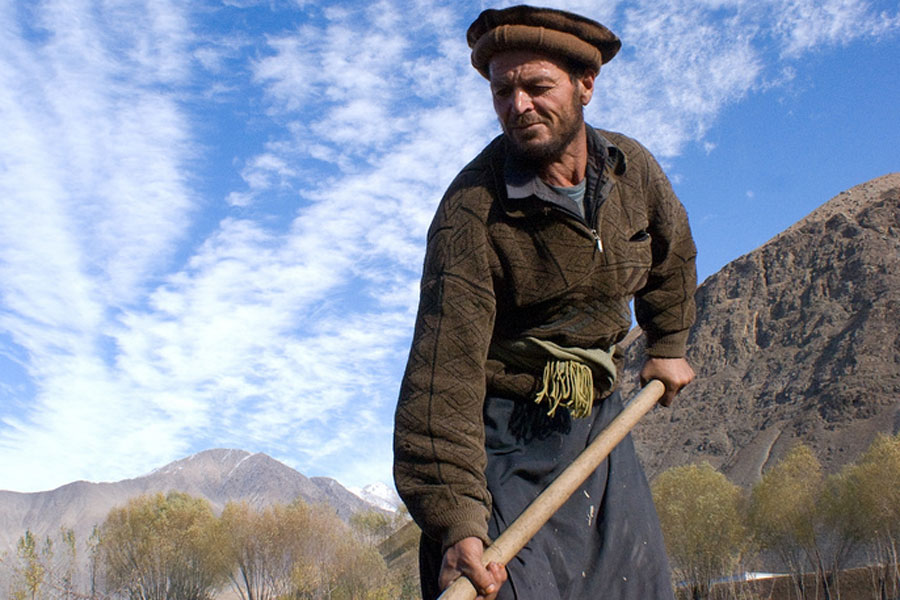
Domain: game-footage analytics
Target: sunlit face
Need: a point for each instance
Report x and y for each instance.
(539, 106)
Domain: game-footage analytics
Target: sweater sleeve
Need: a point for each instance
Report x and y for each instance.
(439, 456)
(664, 307)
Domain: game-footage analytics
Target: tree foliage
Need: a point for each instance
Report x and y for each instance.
(301, 551)
(372, 526)
(263, 547)
(699, 510)
(31, 569)
(874, 482)
(784, 510)
(163, 548)
(41, 571)
(843, 528)
(876, 479)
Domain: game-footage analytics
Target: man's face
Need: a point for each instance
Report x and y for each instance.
(539, 106)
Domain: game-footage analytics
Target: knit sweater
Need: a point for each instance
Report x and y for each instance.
(506, 259)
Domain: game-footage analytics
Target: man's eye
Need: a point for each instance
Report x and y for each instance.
(537, 90)
(501, 92)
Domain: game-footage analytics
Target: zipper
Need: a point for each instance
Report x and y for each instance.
(578, 221)
(581, 222)
(598, 239)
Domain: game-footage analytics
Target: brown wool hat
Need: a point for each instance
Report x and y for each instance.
(541, 29)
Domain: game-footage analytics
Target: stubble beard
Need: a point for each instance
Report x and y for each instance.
(542, 154)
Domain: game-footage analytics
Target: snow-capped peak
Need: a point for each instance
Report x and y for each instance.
(379, 494)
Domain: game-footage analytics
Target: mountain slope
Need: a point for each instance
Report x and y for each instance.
(795, 341)
(218, 475)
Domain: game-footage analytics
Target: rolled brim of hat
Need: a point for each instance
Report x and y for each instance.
(551, 31)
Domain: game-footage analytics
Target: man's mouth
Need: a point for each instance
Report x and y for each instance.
(525, 124)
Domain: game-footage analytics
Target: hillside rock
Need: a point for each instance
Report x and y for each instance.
(796, 341)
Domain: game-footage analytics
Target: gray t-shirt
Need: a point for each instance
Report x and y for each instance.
(574, 193)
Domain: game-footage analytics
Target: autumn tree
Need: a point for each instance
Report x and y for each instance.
(95, 566)
(699, 511)
(844, 528)
(67, 568)
(163, 548)
(323, 568)
(45, 571)
(875, 481)
(372, 526)
(263, 546)
(62, 565)
(361, 574)
(301, 551)
(784, 511)
(30, 570)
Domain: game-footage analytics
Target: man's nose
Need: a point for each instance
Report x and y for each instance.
(521, 102)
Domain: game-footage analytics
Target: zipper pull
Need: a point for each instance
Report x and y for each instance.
(597, 237)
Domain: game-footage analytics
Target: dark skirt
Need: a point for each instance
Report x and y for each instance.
(604, 542)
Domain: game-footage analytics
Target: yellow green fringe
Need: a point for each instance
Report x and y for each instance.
(570, 384)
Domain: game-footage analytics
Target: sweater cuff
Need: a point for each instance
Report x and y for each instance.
(669, 345)
(462, 529)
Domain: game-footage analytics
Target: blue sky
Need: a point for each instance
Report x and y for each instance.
(212, 213)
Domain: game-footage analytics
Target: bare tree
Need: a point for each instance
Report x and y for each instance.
(844, 528)
(875, 481)
(784, 512)
(263, 547)
(302, 552)
(163, 548)
(699, 511)
(29, 570)
(372, 526)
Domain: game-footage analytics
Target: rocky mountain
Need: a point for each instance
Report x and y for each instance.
(219, 476)
(797, 341)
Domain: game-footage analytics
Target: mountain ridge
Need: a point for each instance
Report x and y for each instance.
(794, 342)
(219, 475)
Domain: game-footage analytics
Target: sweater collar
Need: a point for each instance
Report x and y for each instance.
(527, 194)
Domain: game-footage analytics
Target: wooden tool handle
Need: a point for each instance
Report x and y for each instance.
(554, 496)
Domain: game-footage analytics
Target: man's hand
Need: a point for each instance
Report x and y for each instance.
(674, 373)
(464, 558)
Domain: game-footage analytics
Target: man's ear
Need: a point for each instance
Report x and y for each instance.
(586, 86)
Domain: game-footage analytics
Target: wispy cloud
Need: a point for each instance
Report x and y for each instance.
(94, 197)
(808, 24)
(683, 61)
(282, 327)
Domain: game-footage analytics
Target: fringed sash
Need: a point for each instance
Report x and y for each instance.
(568, 373)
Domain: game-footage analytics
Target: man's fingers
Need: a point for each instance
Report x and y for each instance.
(482, 581)
(498, 574)
(464, 558)
(667, 398)
(487, 581)
(482, 578)
(675, 373)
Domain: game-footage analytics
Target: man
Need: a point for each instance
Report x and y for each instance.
(535, 252)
